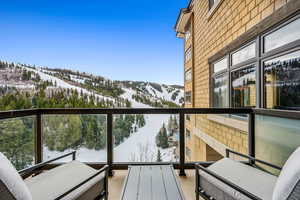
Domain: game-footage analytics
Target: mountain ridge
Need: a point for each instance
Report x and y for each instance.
(21, 77)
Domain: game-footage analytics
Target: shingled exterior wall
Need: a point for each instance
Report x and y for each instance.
(212, 30)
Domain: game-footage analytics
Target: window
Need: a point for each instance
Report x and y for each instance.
(220, 83)
(282, 36)
(243, 87)
(220, 65)
(187, 35)
(220, 91)
(188, 75)
(188, 54)
(188, 97)
(244, 54)
(188, 134)
(253, 77)
(282, 82)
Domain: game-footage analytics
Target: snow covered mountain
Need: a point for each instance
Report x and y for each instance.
(96, 88)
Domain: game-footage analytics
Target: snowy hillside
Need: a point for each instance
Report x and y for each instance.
(139, 94)
(137, 138)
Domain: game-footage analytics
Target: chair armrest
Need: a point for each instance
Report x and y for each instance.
(105, 168)
(40, 165)
(227, 182)
(228, 151)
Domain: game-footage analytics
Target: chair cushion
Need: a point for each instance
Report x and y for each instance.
(12, 186)
(55, 182)
(245, 176)
(288, 184)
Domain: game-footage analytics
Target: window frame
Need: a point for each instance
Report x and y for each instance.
(258, 60)
(188, 102)
(185, 77)
(282, 48)
(189, 49)
(216, 74)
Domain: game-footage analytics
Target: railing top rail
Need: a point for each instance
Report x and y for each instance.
(292, 114)
(66, 111)
(18, 113)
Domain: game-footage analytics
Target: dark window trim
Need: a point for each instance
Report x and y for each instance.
(282, 18)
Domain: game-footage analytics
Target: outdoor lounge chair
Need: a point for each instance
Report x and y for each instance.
(73, 180)
(230, 180)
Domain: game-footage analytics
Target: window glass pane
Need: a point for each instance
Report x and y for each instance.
(243, 87)
(282, 36)
(244, 54)
(84, 133)
(146, 138)
(188, 54)
(220, 94)
(221, 65)
(188, 97)
(187, 35)
(275, 139)
(188, 75)
(17, 141)
(282, 82)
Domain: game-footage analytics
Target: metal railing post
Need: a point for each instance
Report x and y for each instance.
(181, 144)
(109, 138)
(38, 139)
(251, 135)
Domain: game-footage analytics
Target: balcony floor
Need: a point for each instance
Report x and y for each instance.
(116, 184)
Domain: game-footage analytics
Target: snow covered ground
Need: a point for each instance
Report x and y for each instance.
(139, 147)
(63, 84)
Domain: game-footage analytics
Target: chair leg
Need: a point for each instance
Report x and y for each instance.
(197, 184)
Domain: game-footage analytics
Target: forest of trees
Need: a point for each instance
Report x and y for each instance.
(60, 132)
(162, 138)
(64, 132)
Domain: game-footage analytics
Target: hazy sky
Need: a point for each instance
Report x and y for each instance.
(121, 39)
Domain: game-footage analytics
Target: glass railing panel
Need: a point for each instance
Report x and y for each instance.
(275, 139)
(17, 141)
(208, 135)
(146, 138)
(84, 133)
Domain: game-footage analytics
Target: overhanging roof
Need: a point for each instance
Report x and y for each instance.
(181, 22)
(182, 19)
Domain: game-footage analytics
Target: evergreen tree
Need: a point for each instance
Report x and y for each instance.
(158, 159)
(162, 138)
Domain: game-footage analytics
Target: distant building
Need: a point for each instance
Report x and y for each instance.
(238, 53)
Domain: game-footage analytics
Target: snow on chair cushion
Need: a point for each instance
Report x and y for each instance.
(12, 186)
(288, 183)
